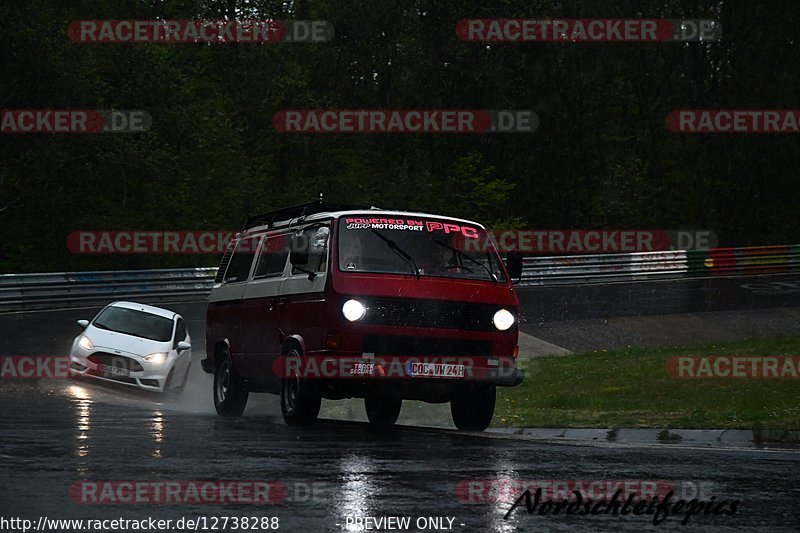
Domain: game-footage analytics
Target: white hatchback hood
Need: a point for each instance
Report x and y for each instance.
(110, 340)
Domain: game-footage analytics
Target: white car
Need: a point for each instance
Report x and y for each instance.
(134, 344)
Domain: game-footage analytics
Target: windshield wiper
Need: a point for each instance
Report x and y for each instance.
(134, 334)
(399, 251)
(465, 256)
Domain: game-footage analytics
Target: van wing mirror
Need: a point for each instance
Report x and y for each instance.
(514, 264)
(83, 323)
(299, 252)
(183, 345)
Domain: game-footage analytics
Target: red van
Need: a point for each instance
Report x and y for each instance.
(319, 301)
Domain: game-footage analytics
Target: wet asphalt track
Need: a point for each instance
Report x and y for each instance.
(688, 295)
(54, 433)
(683, 312)
(57, 433)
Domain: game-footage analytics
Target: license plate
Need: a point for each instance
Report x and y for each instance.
(115, 370)
(435, 370)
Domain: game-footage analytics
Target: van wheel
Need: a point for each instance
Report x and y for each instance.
(230, 394)
(473, 407)
(300, 399)
(382, 410)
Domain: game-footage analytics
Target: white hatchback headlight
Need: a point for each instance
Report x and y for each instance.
(85, 342)
(156, 358)
(353, 310)
(503, 319)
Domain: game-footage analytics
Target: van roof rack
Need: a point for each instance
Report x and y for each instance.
(270, 218)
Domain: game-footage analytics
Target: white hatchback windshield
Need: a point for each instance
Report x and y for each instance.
(136, 323)
(418, 246)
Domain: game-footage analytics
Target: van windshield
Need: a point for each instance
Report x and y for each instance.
(418, 246)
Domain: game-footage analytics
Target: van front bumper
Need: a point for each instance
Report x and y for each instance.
(490, 370)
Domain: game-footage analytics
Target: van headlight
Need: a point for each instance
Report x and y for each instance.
(353, 310)
(503, 319)
(156, 358)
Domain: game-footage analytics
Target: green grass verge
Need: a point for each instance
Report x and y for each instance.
(631, 388)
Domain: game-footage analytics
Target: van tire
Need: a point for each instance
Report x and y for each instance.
(382, 409)
(230, 393)
(300, 398)
(473, 407)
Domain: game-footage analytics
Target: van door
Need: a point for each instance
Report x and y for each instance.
(225, 301)
(261, 342)
(302, 301)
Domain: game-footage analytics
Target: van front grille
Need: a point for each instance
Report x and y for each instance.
(425, 313)
(395, 345)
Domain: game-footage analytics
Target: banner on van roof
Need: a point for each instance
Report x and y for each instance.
(409, 224)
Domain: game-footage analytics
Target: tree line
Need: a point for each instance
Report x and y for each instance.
(601, 157)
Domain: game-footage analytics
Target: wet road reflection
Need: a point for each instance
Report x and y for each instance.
(83, 410)
(503, 467)
(358, 489)
(158, 430)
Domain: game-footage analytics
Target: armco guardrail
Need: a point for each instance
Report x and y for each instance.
(755, 259)
(578, 269)
(599, 268)
(19, 291)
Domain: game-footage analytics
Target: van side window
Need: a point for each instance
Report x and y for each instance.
(223, 265)
(316, 238)
(272, 258)
(242, 259)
